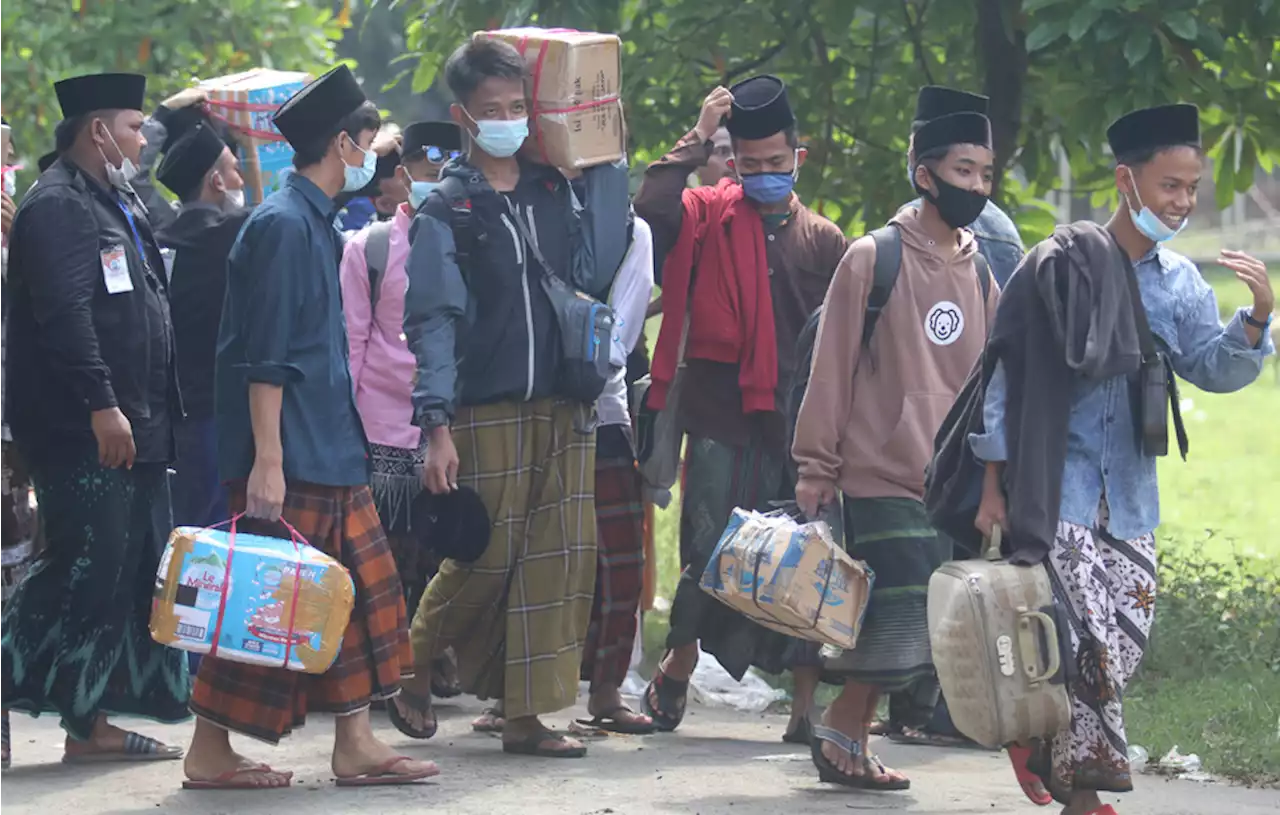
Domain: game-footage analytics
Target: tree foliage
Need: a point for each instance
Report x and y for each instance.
(1058, 72)
(173, 42)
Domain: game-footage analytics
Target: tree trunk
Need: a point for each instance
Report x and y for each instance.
(1002, 54)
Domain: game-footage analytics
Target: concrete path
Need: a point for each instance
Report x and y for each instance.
(720, 763)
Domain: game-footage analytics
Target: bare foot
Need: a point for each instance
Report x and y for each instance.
(607, 701)
(107, 738)
(231, 767)
(527, 728)
(678, 663)
(491, 721)
(413, 706)
(358, 756)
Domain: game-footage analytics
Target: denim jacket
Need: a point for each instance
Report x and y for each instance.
(1103, 454)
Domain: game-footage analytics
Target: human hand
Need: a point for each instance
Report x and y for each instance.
(993, 509)
(7, 210)
(1253, 273)
(813, 494)
(440, 472)
(186, 98)
(265, 491)
(115, 438)
(717, 107)
(386, 142)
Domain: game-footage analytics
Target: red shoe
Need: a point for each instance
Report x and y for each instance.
(1031, 784)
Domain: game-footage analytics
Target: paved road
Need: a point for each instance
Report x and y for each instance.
(720, 763)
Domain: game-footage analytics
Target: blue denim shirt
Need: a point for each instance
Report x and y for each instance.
(282, 324)
(998, 241)
(1103, 455)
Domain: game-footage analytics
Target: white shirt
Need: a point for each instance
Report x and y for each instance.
(628, 298)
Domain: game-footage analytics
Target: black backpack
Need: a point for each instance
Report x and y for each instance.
(888, 241)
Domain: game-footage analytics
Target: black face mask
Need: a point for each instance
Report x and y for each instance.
(958, 207)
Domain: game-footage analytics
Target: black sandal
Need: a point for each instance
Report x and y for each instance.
(611, 722)
(416, 702)
(672, 696)
(532, 746)
(801, 735)
(829, 773)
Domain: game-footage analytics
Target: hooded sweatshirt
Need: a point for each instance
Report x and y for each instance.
(870, 414)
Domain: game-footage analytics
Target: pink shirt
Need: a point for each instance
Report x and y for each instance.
(382, 366)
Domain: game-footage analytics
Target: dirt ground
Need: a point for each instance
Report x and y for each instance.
(720, 763)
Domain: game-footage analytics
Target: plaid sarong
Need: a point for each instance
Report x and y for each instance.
(517, 617)
(267, 703)
(619, 573)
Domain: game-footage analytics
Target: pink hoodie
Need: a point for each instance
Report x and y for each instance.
(382, 365)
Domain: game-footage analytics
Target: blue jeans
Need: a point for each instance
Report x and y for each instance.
(199, 498)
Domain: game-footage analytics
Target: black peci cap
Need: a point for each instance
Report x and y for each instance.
(421, 135)
(1153, 128)
(954, 128)
(760, 108)
(454, 524)
(189, 159)
(84, 94)
(319, 107)
(934, 101)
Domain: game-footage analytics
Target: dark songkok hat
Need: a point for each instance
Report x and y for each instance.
(954, 128)
(935, 100)
(317, 109)
(421, 135)
(189, 159)
(1153, 128)
(760, 108)
(84, 94)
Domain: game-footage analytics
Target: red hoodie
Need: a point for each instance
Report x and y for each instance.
(731, 316)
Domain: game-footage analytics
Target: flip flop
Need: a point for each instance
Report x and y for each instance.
(881, 727)
(499, 721)
(382, 776)
(532, 746)
(911, 735)
(136, 748)
(402, 724)
(1105, 809)
(228, 780)
(829, 773)
(801, 735)
(610, 723)
(672, 696)
(1019, 757)
(4, 736)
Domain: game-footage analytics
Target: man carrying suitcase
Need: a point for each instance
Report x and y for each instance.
(1070, 455)
(885, 372)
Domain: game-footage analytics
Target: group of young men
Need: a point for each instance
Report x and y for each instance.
(403, 393)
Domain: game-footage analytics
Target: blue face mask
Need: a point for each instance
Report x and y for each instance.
(356, 178)
(768, 188)
(419, 190)
(1147, 222)
(500, 138)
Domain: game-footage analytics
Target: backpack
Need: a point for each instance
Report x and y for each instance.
(884, 275)
(377, 247)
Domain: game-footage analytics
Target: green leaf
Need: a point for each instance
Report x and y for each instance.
(1183, 25)
(1045, 34)
(1082, 21)
(1211, 43)
(1030, 6)
(1108, 29)
(1137, 46)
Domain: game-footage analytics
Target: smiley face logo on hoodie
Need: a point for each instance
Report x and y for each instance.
(944, 323)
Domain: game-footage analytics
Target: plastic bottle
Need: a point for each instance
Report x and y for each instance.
(1137, 758)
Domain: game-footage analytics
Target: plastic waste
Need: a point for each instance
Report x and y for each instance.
(1137, 758)
(1185, 767)
(711, 684)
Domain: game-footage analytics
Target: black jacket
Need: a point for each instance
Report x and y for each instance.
(74, 348)
(1065, 315)
(201, 237)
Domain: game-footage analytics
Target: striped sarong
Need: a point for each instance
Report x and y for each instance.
(517, 617)
(267, 703)
(894, 537)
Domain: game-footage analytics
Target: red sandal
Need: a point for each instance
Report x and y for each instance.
(1032, 785)
(1105, 809)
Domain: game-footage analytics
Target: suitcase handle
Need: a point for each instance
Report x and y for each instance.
(991, 546)
(1030, 646)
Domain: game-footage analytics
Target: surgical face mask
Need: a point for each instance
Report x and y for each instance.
(355, 178)
(1146, 221)
(770, 188)
(957, 206)
(500, 138)
(419, 190)
(235, 199)
(120, 177)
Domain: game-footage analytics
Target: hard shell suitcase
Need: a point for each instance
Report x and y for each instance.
(994, 629)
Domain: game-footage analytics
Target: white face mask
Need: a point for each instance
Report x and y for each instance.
(235, 198)
(120, 177)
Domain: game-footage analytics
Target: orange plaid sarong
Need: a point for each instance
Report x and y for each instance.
(268, 703)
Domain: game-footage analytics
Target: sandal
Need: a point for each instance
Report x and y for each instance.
(1029, 781)
(443, 684)
(238, 780)
(610, 722)
(925, 738)
(384, 775)
(830, 774)
(495, 724)
(803, 734)
(413, 700)
(533, 746)
(881, 727)
(672, 695)
(136, 748)
(4, 734)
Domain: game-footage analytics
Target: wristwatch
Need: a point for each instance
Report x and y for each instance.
(1260, 324)
(431, 419)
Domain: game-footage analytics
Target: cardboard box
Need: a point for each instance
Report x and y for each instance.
(790, 577)
(246, 102)
(267, 603)
(576, 117)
